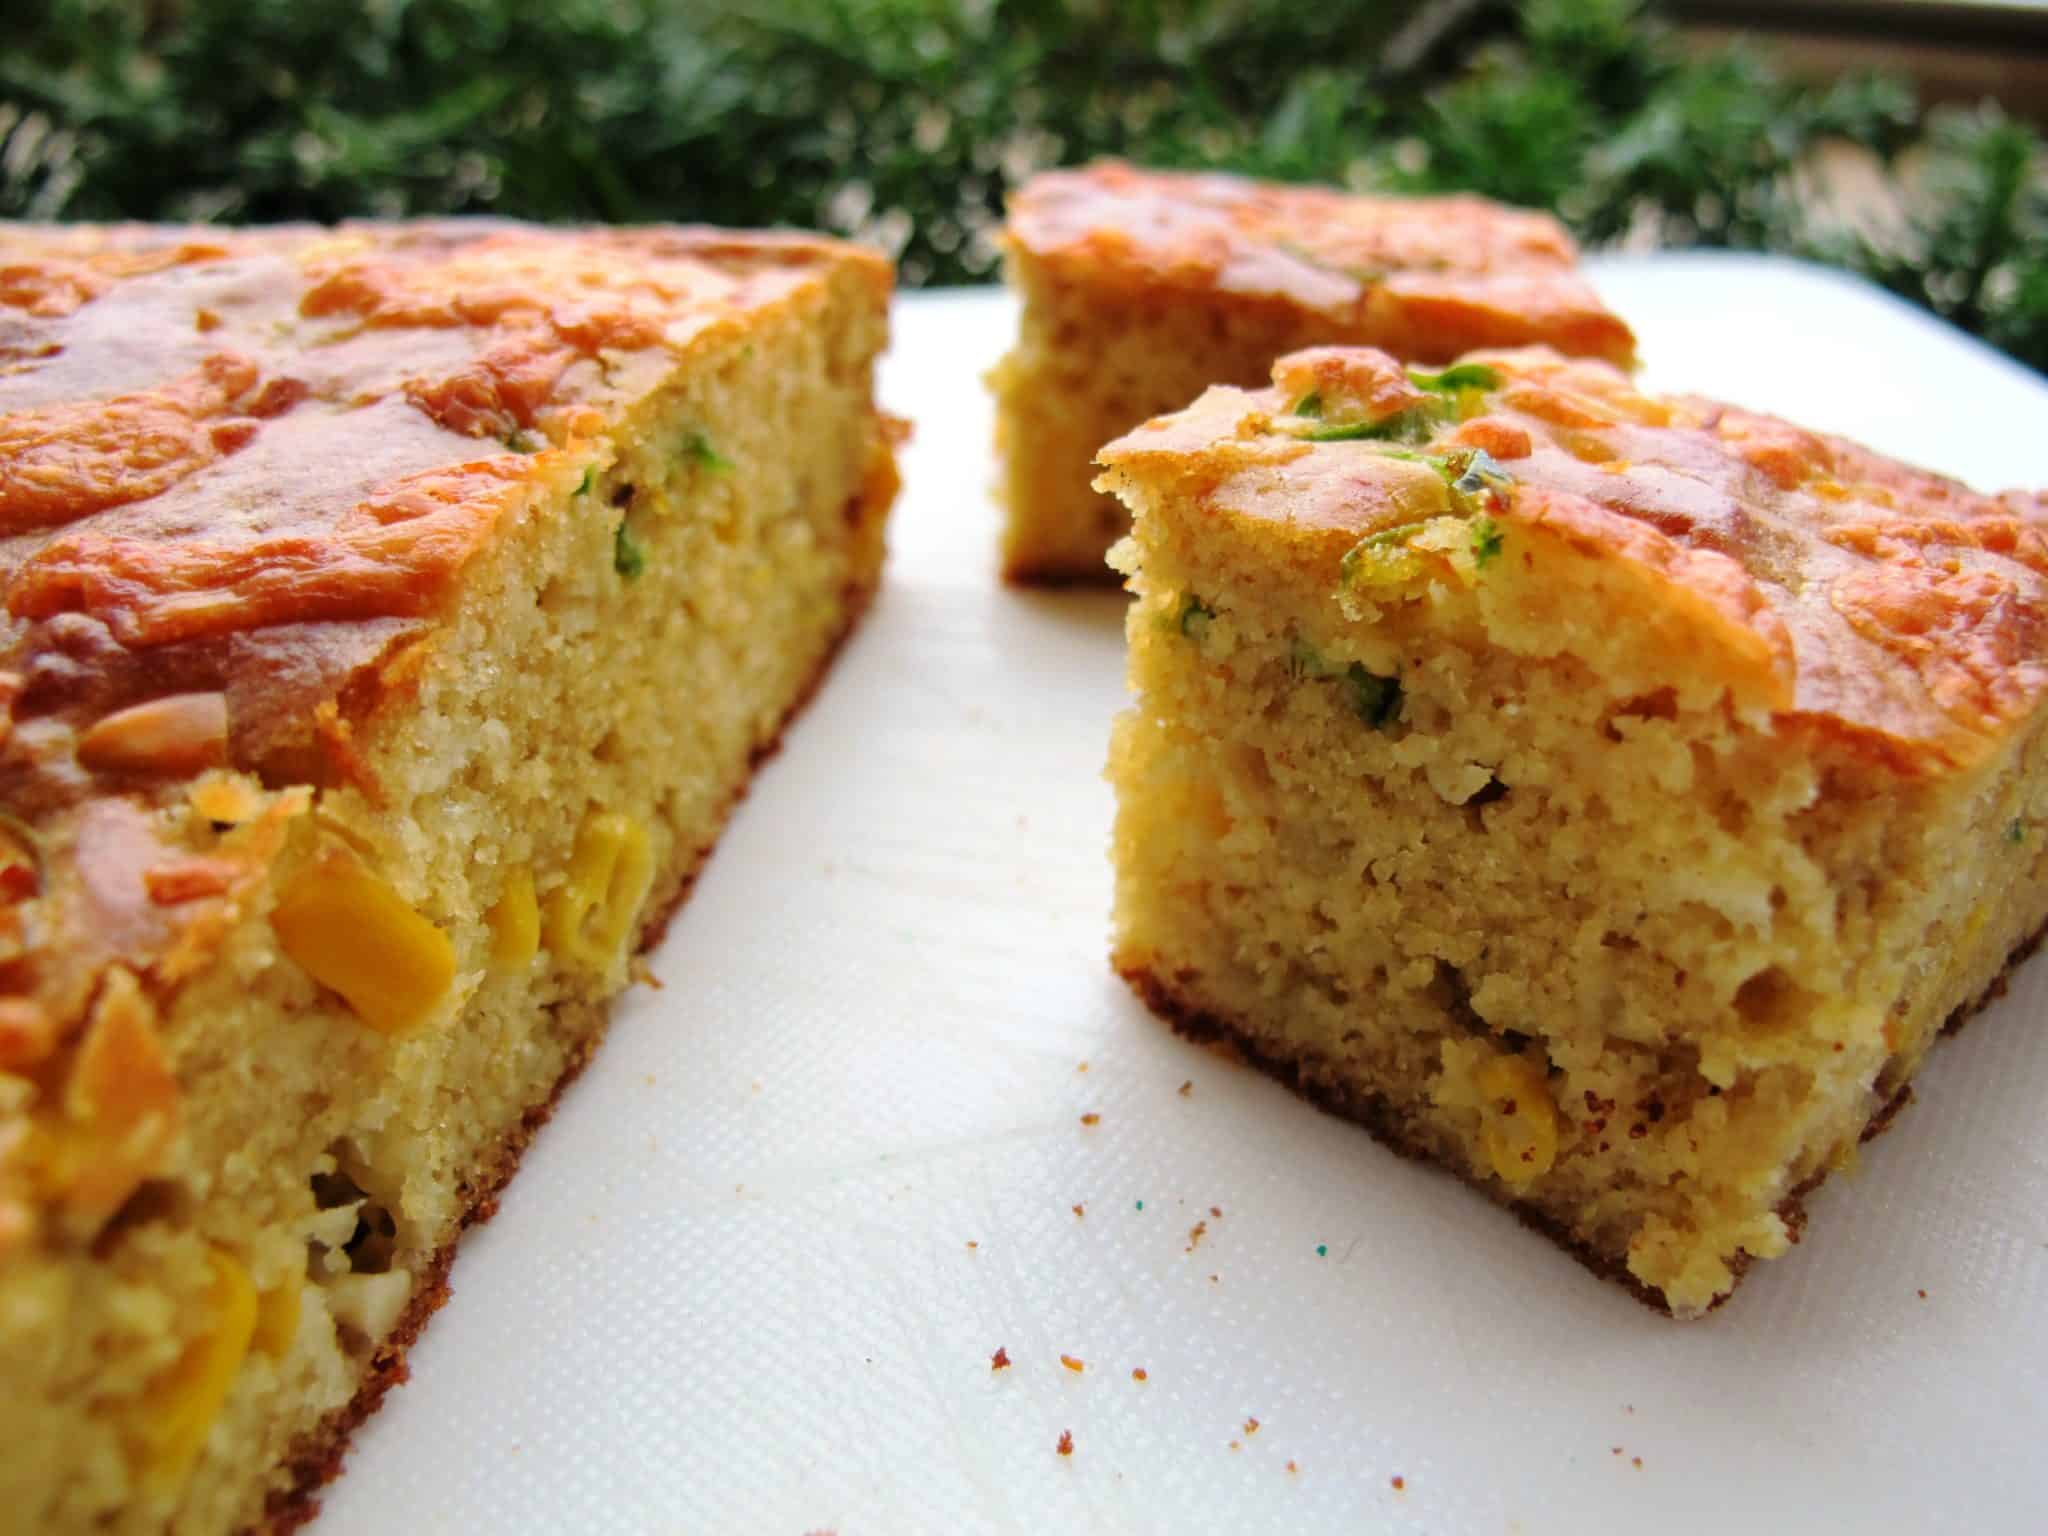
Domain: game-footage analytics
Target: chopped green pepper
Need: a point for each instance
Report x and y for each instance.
(704, 454)
(1486, 542)
(1310, 405)
(1374, 699)
(1194, 618)
(1457, 377)
(628, 558)
(589, 479)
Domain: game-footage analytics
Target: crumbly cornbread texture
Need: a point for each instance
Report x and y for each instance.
(1605, 796)
(391, 616)
(1141, 288)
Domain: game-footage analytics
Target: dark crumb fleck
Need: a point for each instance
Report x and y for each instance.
(1215, 1279)
(1091, 1118)
(1187, 1088)
(1066, 1445)
(1399, 1482)
(1638, 1131)
(1216, 1211)
(1138, 1373)
(1251, 1426)
(1923, 1295)
(1636, 1462)
(1080, 1209)
(1654, 1109)
(1195, 1235)
(1000, 1360)
(1073, 1364)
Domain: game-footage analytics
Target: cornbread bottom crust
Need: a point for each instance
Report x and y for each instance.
(319, 1458)
(1378, 1116)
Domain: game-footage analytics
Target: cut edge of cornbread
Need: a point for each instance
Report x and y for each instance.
(1476, 824)
(542, 780)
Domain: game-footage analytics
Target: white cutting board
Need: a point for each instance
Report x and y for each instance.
(736, 1286)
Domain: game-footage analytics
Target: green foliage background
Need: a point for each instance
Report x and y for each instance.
(903, 121)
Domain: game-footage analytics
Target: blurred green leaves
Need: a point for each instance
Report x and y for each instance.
(903, 121)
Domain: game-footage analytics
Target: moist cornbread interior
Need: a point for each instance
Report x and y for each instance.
(1606, 797)
(292, 970)
(1142, 288)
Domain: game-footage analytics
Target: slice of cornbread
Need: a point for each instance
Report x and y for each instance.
(1142, 288)
(392, 615)
(1607, 797)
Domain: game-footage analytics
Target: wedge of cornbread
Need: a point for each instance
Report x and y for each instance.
(1607, 797)
(392, 616)
(1142, 288)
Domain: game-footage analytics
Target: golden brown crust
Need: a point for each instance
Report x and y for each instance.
(1386, 1125)
(1424, 277)
(1843, 591)
(241, 474)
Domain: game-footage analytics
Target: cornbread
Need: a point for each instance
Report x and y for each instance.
(1607, 797)
(1141, 288)
(392, 615)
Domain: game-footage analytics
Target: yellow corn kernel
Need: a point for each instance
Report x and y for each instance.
(179, 1407)
(1519, 1123)
(591, 915)
(349, 930)
(515, 923)
(277, 1315)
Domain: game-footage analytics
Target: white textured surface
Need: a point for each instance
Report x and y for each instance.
(732, 1290)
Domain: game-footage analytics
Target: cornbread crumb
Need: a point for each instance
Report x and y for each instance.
(1072, 1364)
(1066, 1443)
(1091, 1118)
(1138, 1373)
(1000, 1360)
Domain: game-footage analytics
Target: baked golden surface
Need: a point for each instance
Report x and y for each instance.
(1608, 796)
(391, 615)
(1141, 287)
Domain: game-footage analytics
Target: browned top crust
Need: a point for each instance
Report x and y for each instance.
(1423, 277)
(1889, 607)
(240, 476)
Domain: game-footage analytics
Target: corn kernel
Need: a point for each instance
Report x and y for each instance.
(515, 923)
(1519, 1125)
(177, 1410)
(349, 930)
(277, 1315)
(591, 916)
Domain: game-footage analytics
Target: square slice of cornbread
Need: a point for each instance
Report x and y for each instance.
(392, 615)
(1142, 288)
(1607, 797)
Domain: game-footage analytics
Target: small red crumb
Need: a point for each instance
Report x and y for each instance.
(1187, 1088)
(1400, 1482)
(1138, 1373)
(972, 1243)
(1636, 1462)
(1251, 1426)
(1091, 1118)
(1080, 1209)
(1076, 1366)
(1195, 1234)
(1066, 1445)
(1923, 1295)
(1216, 1211)
(1616, 1449)
(1000, 1361)
(1292, 1467)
